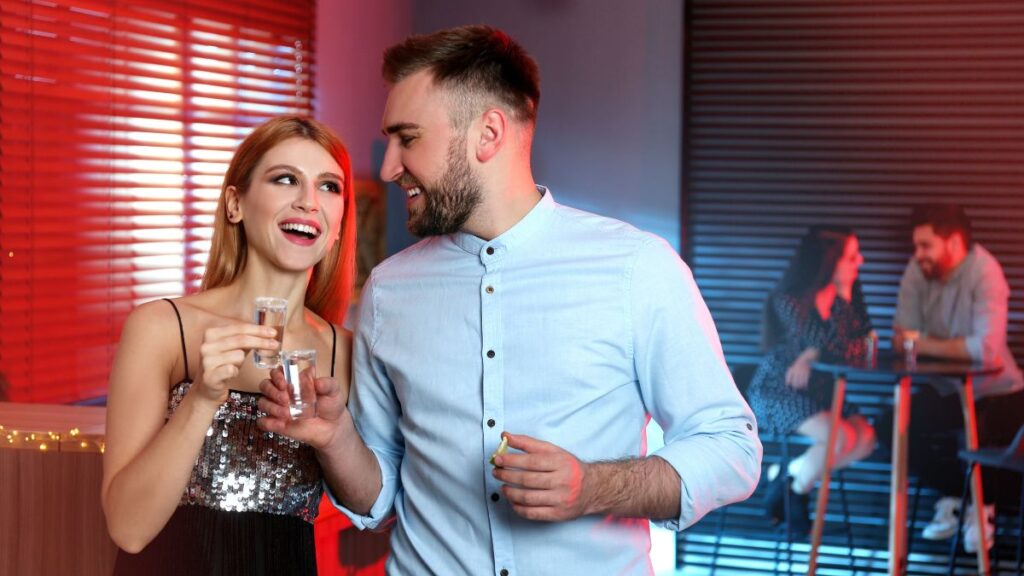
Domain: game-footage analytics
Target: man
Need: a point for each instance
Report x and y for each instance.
(953, 303)
(516, 317)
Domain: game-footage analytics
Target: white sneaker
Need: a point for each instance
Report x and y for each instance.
(943, 524)
(971, 529)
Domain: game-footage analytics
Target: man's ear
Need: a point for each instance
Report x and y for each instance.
(956, 242)
(232, 205)
(491, 135)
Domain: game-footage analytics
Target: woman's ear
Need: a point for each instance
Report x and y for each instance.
(232, 205)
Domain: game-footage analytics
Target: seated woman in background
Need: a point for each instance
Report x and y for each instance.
(190, 484)
(816, 312)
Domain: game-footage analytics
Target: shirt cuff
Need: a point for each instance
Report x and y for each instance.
(383, 506)
(975, 348)
(689, 510)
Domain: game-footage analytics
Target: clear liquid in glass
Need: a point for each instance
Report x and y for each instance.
(270, 312)
(300, 373)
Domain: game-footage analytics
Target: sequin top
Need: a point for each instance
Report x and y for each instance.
(244, 469)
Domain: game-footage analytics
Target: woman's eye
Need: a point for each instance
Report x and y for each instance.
(331, 187)
(286, 179)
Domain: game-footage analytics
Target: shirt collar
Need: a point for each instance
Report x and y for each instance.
(536, 219)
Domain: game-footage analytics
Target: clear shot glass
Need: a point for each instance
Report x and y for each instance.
(270, 312)
(300, 373)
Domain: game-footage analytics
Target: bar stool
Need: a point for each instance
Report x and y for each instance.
(1009, 458)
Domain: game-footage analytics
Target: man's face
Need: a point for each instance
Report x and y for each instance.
(427, 157)
(932, 252)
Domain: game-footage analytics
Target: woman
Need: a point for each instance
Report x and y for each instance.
(190, 484)
(816, 312)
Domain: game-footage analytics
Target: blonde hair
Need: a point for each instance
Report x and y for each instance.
(330, 287)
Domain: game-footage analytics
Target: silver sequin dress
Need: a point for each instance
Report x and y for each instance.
(248, 506)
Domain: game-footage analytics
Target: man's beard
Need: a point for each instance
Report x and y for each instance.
(929, 268)
(448, 204)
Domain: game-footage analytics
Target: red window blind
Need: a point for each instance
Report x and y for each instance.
(117, 121)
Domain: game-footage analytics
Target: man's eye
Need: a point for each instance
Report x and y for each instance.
(405, 141)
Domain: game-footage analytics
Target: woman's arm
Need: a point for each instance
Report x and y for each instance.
(147, 461)
(799, 372)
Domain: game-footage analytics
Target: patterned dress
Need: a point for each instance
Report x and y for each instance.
(779, 408)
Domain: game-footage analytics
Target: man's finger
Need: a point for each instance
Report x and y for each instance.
(538, 513)
(274, 409)
(326, 386)
(525, 479)
(542, 462)
(527, 497)
(528, 444)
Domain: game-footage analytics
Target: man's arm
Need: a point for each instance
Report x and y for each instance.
(350, 469)
(547, 483)
(711, 437)
(712, 455)
(359, 446)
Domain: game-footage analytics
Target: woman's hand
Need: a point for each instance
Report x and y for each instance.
(224, 349)
(799, 372)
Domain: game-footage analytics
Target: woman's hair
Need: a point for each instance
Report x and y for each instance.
(330, 286)
(811, 269)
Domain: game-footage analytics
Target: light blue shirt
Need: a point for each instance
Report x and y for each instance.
(569, 327)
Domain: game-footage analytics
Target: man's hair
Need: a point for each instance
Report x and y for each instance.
(945, 219)
(478, 65)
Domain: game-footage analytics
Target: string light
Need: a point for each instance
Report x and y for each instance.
(50, 441)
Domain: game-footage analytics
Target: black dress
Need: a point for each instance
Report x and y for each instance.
(779, 408)
(249, 506)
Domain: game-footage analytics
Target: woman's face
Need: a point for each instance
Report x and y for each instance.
(293, 209)
(848, 265)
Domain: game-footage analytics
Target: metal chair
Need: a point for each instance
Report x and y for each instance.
(1009, 458)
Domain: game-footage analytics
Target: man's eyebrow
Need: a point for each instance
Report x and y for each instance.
(399, 127)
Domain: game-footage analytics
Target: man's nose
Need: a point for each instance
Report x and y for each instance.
(391, 168)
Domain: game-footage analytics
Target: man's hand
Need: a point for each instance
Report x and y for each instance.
(319, 431)
(543, 483)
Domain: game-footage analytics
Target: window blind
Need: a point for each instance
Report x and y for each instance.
(117, 121)
(844, 112)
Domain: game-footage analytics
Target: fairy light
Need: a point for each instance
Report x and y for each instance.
(51, 441)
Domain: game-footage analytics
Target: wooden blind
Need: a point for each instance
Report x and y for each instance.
(117, 120)
(846, 112)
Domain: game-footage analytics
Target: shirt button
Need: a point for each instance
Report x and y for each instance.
(504, 572)
(750, 426)
(494, 497)
(490, 289)
(490, 250)
(490, 353)
(490, 423)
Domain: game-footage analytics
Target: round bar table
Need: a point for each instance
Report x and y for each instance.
(903, 371)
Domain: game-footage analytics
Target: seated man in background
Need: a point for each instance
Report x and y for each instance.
(953, 304)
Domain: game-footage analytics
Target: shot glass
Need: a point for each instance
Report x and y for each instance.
(871, 350)
(910, 348)
(270, 312)
(300, 373)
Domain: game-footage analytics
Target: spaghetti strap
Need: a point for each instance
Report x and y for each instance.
(181, 330)
(334, 346)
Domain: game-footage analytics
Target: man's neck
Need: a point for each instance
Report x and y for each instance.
(958, 261)
(503, 208)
